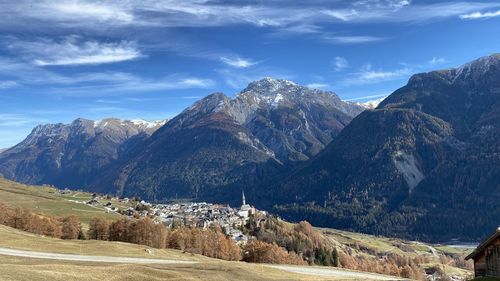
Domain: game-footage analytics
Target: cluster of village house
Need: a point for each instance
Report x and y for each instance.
(200, 214)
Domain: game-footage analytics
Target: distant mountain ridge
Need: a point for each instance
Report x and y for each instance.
(72, 154)
(425, 158)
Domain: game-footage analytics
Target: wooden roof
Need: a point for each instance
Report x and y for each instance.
(484, 244)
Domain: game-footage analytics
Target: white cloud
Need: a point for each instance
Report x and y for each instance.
(106, 16)
(72, 51)
(367, 75)
(370, 97)
(68, 13)
(479, 15)
(89, 10)
(238, 62)
(352, 39)
(317, 85)
(376, 76)
(340, 63)
(436, 60)
(300, 28)
(386, 4)
(343, 15)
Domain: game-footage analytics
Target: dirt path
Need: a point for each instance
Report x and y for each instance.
(334, 272)
(71, 257)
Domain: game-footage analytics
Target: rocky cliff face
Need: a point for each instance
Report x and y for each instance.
(72, 154)
(424, 158)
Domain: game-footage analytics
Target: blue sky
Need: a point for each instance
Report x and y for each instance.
(60, 60)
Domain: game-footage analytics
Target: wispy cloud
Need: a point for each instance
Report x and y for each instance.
(68, 13)
(73, 51)
(436, 61)
(90, 10)
(108, 101)
(134, 84)
(370, 97)
(342, 14)
(8, 84)
(14, 120)
(317, 85)
(352, 39)
(238, 62)
(379, 75)
(94, 83)
(479, 15)
(368, 75)
(195, 13)
(340, 63)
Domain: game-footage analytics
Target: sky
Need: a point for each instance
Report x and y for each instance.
(150, 59)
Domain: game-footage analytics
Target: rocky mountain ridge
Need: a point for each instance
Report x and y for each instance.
(71, 154)
(425, 157)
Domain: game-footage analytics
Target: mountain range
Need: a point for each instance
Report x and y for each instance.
(71, 155)
(414, 164)
(213, 149)
(424, 164)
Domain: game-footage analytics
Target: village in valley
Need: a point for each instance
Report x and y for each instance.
(190, 214)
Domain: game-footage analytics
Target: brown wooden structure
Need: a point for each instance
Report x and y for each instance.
(487, 256)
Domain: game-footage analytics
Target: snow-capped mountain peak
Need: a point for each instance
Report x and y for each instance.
(371, 104)
(138, 123)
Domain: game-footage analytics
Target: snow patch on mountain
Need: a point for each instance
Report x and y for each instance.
(276, 100)
(139, 123)
(148, 124)
(371, 104)
(473, 69)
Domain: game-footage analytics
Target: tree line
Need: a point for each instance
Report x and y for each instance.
(210, 242)
(68, 227)
(297, 239)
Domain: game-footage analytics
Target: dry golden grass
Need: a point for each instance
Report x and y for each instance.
(46, 200)
(16, 239)
(19, 269)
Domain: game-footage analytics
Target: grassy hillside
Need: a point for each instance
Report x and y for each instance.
(48, 200)
(19, 268)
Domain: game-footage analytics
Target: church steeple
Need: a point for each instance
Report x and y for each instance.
(243, 198)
